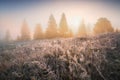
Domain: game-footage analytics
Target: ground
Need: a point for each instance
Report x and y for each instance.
(86, 58)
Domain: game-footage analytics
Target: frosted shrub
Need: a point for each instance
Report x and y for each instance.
(92, 58)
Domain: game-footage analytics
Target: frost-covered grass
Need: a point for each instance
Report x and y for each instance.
(91, 58)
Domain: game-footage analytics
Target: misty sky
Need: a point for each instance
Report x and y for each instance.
(13, 12)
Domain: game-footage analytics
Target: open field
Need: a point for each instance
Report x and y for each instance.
(92, 58)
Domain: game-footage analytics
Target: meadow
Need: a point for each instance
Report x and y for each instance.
(78, 58)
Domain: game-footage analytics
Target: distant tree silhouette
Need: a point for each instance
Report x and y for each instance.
(51, 31)
(117, 30)
(82, 30)
(88, 30)
(103, 25)
(25, 31)
(63, 27)
(70, 33)
(18, 38)
(7, 36)
(38, 33)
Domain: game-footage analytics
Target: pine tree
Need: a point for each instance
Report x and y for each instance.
(25, 31)
(88, 30)
(38, 34)
(82, 30)
(51, 31)
(70, 33)
(63, 27)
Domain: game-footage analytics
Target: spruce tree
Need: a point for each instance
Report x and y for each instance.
(63, 27)
(51, 31)
(82, 29)
(25, 31)
(38, 34)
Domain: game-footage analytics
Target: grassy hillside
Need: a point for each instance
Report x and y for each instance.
(92, 58)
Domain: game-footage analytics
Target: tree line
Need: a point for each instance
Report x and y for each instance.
(52, 31)
(103, 25)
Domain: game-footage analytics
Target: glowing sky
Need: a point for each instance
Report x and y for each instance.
(13, 12)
